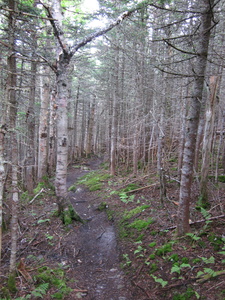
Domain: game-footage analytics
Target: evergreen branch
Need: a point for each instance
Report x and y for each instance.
(25, 14)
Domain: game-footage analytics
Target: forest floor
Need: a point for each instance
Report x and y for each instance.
(127, 248)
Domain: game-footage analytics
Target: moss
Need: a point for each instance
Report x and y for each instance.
(130, 187)
(152, 256)
(151, 245)
(164, 249)
(216, 241)
(140, 237)
(110, 214)
(69, 215)
(141, 224)
(186, 295)
(221, 178)
(153, 233)
(4, 293)
(129, 214)
(12, 283)
(102, 206)
(94, 180)
(153, 268)
(174, 258)
(95, 187)
(72, 188)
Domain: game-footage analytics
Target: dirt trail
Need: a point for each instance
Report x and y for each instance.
(96, 257)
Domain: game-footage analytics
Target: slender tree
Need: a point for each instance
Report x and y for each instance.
(206, 9)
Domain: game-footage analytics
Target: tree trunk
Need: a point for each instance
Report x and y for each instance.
(113, 137)
(52, 134)
(2, 180)
(62, 130)
(207, 141)
(90, 127)
(12, 102)
(43, 125)
(29, 168)
(193, 118)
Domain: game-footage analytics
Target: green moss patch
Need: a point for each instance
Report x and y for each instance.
(94, 180)
(141, 224)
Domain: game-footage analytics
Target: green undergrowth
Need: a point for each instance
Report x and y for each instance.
(43, 188)
(131, 223)
(51, 283)
(192, 261)
(164, 260)
(93, 180)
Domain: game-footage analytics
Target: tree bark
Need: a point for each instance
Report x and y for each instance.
(207, 141)
(193, 117)
(12, 102)
(2, 179)
(62, 129)
(44, 124)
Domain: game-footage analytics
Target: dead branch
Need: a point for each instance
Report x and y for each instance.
(137, 179)
(143, 290)
(80, 291)
(32, 200)
(196, 222)
(144, 187)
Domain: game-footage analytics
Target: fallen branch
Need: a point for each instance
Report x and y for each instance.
(144, 187)
(80, 291)
(172, 178)
(196, 222)
(32, 200)
(143, 290)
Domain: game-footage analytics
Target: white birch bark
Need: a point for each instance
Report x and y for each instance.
(12, 112)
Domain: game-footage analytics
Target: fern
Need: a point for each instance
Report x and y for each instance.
(41, 290)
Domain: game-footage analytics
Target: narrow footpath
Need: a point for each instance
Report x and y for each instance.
(93, 246)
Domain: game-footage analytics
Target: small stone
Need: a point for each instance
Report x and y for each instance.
(120, 286)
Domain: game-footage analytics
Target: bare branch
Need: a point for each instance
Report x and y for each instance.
(101, 32)
(57, 31)
(178, 49)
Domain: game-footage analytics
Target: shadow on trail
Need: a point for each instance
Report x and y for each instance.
(96, 265)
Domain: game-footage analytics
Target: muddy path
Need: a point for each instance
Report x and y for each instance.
(93, 247)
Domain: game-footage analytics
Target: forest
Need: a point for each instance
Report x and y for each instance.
(114, 113)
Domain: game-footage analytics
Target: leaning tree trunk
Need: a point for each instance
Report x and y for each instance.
(193, 118)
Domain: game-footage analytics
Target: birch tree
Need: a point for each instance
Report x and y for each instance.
(12, 113)
(64, 56)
